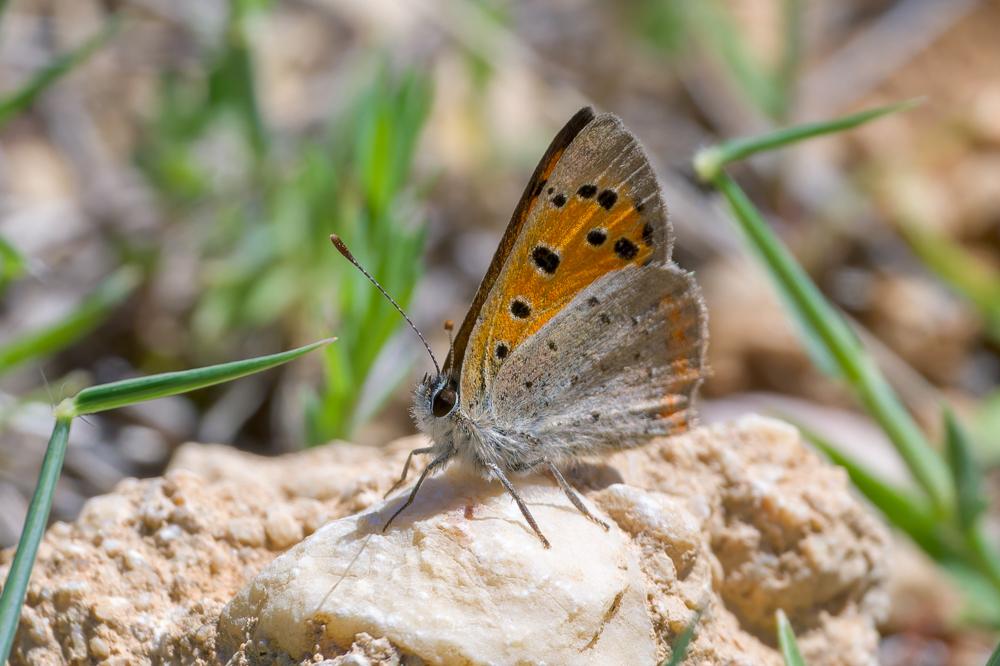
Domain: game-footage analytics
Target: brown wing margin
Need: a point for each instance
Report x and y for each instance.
(453, 364)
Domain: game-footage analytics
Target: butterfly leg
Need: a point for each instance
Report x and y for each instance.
(434, 464)
(509, 487)
(406, 468)
(574, 496)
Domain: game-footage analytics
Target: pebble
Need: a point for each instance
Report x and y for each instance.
(168, 534)
(246, 531)
(282, 529)
(99, 648)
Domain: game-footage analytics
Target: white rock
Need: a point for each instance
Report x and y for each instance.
(454, 588)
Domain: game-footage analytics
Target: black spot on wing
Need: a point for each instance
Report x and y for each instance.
(502, 350)
(546, 259)
(552, 346)
(587, 191)
(559, 200)
(626, 249)
(607, 199)
(596, 237)
(520, 309)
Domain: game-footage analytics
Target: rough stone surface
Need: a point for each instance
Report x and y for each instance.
(735, 520)
(459, 579)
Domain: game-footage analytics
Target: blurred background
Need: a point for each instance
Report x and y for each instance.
(170, 172)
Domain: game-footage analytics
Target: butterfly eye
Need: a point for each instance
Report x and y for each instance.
(444, 401)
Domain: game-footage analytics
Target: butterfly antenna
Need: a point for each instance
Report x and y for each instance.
(342, 248)
(449, 327)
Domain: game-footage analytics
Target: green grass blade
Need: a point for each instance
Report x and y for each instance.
(833, 332)
(984, 554)
(995, 657)
(791, 55)
(970, 501)
(708, 163)
(13, 103)
(714, 25)
(965, 273)
(986, 428)
(680, 647)
(12, 263)
(16, 585)
(232, 81)
(786, 640)
(130, 391)
(78, 323)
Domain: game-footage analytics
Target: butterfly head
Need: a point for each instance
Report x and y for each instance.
(436, 397)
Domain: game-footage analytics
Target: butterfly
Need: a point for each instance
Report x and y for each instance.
(583, 337)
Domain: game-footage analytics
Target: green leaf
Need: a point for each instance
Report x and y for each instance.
(78, 323)
(16, 585)
(680, 647)
(708, 162)
(15, 102)
(970, 502)
(830, 330)
(130, 391)
(787, 642)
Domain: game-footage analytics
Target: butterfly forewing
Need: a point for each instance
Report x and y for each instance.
(594, 210)
(525, 205)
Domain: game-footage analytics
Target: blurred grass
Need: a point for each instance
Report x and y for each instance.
(675, 25)
(76, 324)
(967, 275)
(13, 103)
(89, 401)
(947, 519)
(13, 264)
(372, 221)
(827, 330)
(266, 260)
(95, 308)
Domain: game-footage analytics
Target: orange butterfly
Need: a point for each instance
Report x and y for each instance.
(583, 338)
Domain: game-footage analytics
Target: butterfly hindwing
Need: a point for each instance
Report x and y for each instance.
(620, 364)
(594, 209)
